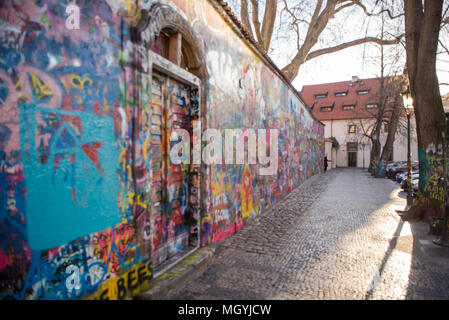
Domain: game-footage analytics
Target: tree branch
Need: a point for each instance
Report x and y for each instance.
(349, 4)
(256, 22)
(444, 47)
(370, 14)
(292, 15)
(268, 23)
(445, 20)
(317, 10)
(245, 16)
(345, 45)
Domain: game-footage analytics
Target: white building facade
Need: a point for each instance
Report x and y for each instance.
(354, 149)
(347, 108)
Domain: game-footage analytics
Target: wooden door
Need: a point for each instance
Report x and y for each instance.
(170, 182)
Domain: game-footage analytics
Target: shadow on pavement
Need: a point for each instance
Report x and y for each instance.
(429, 274)
(429, 269)
(392, 245)
(321, 242)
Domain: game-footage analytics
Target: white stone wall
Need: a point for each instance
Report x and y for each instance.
(339, 129)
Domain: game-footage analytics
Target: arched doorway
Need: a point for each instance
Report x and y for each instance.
(177, 77)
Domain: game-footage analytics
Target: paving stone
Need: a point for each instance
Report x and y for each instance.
(337, 236)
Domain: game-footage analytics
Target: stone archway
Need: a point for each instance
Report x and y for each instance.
(160, 17)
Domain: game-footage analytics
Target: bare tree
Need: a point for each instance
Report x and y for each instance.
(390, 63)
(423, 20)
(394, 113)
(371, 126)
(307, 20)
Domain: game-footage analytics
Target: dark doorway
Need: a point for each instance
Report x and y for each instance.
(352, 159)
(352, 154)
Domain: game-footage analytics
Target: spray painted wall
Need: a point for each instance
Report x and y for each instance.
(75, 145)
(246, 93)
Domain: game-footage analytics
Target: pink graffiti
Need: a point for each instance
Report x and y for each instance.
(4, 260)
(9, 114)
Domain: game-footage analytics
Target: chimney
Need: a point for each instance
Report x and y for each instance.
(355, 78)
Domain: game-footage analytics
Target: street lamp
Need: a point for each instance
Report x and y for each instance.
(408, 104)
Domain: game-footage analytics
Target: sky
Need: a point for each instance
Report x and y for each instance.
(350, 24)
(342, 65)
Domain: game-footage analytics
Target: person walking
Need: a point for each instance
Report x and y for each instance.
(325, 163)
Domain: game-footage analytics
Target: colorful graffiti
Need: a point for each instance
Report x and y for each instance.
(245, 94)
(72, 208)
(90, 202)
(431, 195)
(76, 161)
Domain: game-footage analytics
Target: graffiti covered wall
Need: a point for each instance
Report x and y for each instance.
(431, 169)
(76, 146)
(245, 93)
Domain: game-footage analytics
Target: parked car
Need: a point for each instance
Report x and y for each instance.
(400, 177)
(402, 168)
(404, 183)
(392, 165)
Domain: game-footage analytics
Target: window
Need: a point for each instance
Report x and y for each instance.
(351, 146)
(348, 107)
(352, 128)
(326, 109)
(362, 83)
(321, 95)
(341, 94)
(362, 92)
(371, 106)
(161, 44)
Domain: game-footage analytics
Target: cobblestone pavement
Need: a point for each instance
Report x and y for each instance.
(337, 236)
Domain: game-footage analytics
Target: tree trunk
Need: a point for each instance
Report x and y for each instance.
(422, 25)
(375, 150)
(323, 13)
(268, 23)
(388, 147)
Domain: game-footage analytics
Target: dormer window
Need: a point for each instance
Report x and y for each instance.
(341, 93)
(321, 95)
(371, 106)
(362, 92)
(348, 107)
(326, 109)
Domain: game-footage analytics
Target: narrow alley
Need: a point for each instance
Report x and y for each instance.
(337, 236)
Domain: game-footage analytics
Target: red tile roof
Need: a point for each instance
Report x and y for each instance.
(309, 92)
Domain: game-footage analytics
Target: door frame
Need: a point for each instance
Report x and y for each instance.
(349, 161)
(171, 70)
(352, 147)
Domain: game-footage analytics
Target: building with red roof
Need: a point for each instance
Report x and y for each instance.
(348, 109)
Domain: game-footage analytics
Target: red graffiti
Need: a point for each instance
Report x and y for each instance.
(91, 150)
